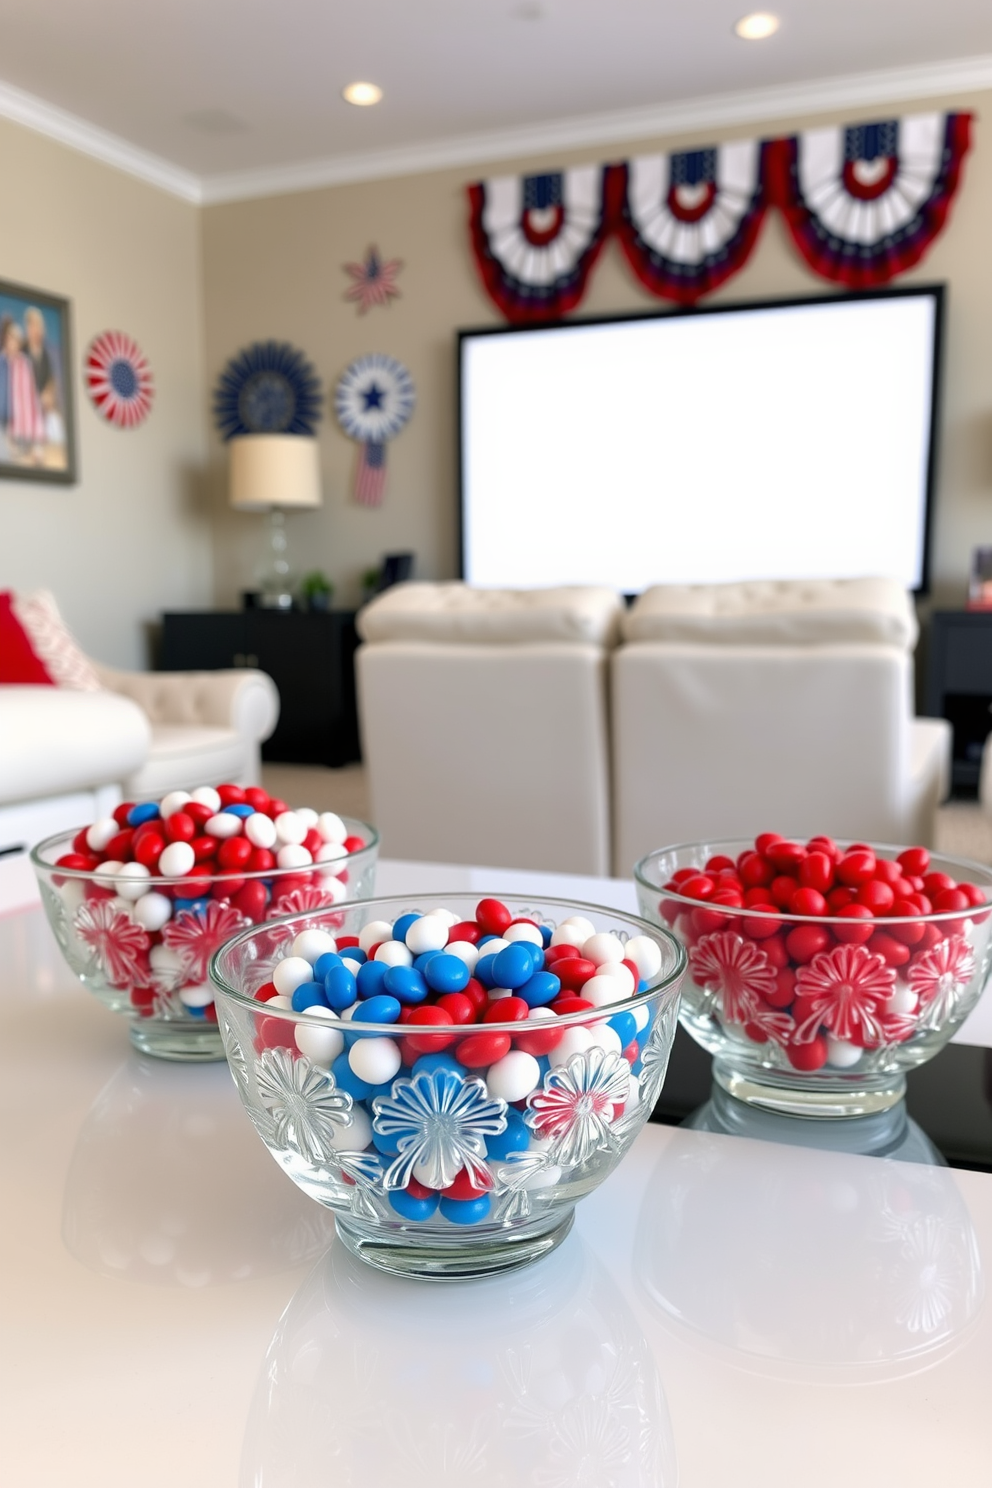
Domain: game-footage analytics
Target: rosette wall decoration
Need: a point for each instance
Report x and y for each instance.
(864, 202)
(373, 401)
(269, 388)
(536, 238)
(119, 379)
(689, 221)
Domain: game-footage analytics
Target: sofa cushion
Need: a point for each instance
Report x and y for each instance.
(52, 643)
(456, 612)
(808, 612)
(20, 664)
(183, 756)
(53, 740)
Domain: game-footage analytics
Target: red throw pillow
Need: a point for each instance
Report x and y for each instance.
(19, 663)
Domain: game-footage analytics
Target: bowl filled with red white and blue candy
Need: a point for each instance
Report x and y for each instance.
(450, 1075)
(140, 901)
(819, 972)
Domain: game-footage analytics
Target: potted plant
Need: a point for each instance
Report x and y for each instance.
(316, 590)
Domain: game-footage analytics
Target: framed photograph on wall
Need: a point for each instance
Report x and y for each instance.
(37, 424)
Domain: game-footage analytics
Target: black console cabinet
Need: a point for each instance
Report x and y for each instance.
(309, 656)
(959, 686)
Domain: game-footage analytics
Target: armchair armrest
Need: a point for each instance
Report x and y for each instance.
(240, 699)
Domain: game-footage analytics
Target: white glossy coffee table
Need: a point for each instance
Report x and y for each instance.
(174, 1312)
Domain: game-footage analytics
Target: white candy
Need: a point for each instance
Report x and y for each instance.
(606, 1037)
(307, 816)
(196, 997)
(497, 993)
(352, 961)
(132, 881)
(152, 911)
(573, 1041)
(623, 974)
(331, 852)
(841, 1054)
(312, 944)
(429, 933)
(350, 1012)
(260, 830)
(574, 935)
(322, 1045)
(603, 989)
(514, 1076)
(578, 922)
(465, 951)
(524, 932)
(225, 824)
(641, 1014)
(279, 1002)
(645, 954)
(334, 889)
(448, 916)
(289, 828)
(173, 802)
(205, 795)
(293, 855)
(493, 947)
(375, 1060)
(603, 948)
(290, 974)
(109, 870)
(165, 961)
(100, 833)
(354, 1137)
(394, 953)
(176, 860)
(633, 1092)
(331, 827)
(903, 1000)
(373, 932)
(542, 1015)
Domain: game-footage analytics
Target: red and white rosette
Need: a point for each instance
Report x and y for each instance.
(119, 379)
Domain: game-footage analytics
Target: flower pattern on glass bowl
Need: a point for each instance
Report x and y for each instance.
(845, 990)
(195, 934)
(515, 1177)
(440, 1121)
(304, 1103)
(734, 972)
(940, 978)
(118, 946)
(573, 1110)
(302, 901)
(361, 1187)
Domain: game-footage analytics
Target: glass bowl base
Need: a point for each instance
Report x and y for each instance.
(193, 1043)
(459, 1259)
(827, 1100)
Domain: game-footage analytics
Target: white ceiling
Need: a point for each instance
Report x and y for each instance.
(221, 95)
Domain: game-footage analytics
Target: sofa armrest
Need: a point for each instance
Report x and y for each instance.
(240, 699)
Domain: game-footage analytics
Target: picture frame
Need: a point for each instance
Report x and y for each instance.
(37, 409)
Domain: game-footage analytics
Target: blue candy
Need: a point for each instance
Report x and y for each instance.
(545, 934)
(407, 1207)
(406, 983)
(240, 808)
(514, 965)
(370, 977)
(446, 973)
(340, 988)
(484, 971)
(542, 988)
(194, 906)
(354, 953)
(516, 1138)
(386, 1145)
(346, 1079)
(428, 1063)
(380, 1009)
(145, 812)
(420, 962)
(484, 939)
(402, 925)
(625, 1028)
(323, 964)
(465, 1211)
(307, 995)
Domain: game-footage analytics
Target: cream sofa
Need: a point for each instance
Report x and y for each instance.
(484, 729)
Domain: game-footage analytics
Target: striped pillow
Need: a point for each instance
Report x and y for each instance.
(56, 657)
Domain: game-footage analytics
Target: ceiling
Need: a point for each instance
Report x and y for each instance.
(217, 92)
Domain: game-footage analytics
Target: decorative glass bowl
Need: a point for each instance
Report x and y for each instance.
(355, 1153)
(814, 1015)
(144, 948)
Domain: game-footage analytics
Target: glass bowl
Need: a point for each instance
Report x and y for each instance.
(514, 1172)
(819, 1015)
(157, 977)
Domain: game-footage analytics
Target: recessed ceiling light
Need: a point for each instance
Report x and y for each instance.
(362, 95)
(757, 26)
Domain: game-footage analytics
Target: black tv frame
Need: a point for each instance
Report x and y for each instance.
(937, 291)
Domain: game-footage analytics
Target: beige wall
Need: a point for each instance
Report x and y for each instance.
(131, 538)
(272, 267)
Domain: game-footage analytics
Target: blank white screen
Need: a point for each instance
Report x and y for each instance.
(787, 442)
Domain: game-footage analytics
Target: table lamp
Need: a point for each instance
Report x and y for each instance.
(274, 472)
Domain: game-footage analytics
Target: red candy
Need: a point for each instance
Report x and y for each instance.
(480, 1050)
(492, 916)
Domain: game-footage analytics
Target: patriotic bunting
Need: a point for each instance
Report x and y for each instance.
(688, 221)
(373, 401)
(119, 379)
(536, 238)
(863, 203)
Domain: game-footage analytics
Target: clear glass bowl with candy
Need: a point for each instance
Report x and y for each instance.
(819, 973)
(140, 901)
(450, 1075)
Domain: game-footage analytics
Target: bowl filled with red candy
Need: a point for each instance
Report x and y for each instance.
(139, 901)
(820, 972)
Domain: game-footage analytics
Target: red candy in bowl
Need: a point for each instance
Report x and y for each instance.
(820, 972)
(141, 900)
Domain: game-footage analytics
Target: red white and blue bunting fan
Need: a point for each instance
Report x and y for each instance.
(864, 203)
(119, 379)
(690, 220)
(536, 238)
(268, 388)
(373, 401)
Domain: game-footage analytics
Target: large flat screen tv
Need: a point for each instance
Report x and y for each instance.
(792, 439)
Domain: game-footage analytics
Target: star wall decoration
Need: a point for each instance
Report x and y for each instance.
(374, 280)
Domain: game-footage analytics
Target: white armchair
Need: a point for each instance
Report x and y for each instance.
(743, 708)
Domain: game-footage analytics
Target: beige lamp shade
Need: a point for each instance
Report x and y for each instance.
(269, 470)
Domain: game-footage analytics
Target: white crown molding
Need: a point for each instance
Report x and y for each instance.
(68, 129)
(718, 111)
